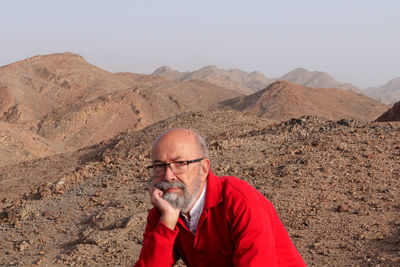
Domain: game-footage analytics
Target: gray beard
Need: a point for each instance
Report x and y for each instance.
(180, 201)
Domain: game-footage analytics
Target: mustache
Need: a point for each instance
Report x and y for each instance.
(164, 185)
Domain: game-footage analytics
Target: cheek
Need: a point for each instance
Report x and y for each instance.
(185, 180)
(189, 182)
(155, 181)
(196, 179)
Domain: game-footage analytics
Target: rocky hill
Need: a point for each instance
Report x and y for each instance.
(68, 101)
(187, 95)
(334, 184)
(234, 79)
(36, 86)
(393, 114)
(388, 93)
(248, 83)
(317, 79)
(285, 100)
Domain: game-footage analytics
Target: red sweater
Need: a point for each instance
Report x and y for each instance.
(238, 227)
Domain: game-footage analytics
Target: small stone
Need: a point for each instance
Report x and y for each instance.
(342, 208)
(39, 261)
(21, 246)
(106, 159)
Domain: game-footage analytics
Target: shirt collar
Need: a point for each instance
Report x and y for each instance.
(195, 212)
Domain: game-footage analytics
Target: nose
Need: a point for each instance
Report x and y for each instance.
(169, 175)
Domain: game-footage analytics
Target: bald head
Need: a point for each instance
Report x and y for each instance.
(181, 139)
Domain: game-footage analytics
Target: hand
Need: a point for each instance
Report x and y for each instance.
(169, 214)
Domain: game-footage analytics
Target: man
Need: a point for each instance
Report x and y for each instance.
(207, 220)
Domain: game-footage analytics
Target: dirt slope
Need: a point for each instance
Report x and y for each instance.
(18, 144)
(335, 185)
(393, 114)
(284, 100)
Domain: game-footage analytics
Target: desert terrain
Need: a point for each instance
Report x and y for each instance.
(75, 142)
(283, 100)
(73, 104)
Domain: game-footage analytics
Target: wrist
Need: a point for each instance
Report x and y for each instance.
(170, 220)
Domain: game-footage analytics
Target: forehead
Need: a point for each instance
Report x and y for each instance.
(175, 145)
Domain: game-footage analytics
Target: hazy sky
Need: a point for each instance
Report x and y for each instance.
(355, 41)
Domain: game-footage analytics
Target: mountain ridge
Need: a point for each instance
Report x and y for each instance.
(389, 93)
(285, 100)
(64, 98)
(248, 83)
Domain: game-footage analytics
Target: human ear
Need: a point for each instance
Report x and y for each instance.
(205, 166)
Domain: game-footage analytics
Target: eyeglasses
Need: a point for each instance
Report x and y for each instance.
(177, 167)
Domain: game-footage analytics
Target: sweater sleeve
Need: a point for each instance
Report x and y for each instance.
(260, 238)
(158, 243)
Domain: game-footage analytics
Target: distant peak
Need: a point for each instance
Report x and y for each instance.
(56, 56)
(255, 73)
(299, 70)
(303, 71)
(162, 69)
(210, 67)
(394, 81)
(281, 84)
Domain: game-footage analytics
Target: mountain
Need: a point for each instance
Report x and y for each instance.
(65, 99)
(316, 79)
(248, 83)
(284, 100)
(193, 94)
(37, 85)
(393, 114)
(169, 73)
(388, 93)
(233, 79)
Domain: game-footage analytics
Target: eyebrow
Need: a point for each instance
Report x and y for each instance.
(178, 158)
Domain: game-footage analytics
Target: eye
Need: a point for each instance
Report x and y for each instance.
(158, 165)
(179, 164)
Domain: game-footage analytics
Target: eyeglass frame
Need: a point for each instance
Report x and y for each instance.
(165, 164)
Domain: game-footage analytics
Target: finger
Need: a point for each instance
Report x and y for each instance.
(156, 196)
(157, 193)
(153, 190)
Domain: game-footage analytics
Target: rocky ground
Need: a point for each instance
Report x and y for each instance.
(335, 185)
